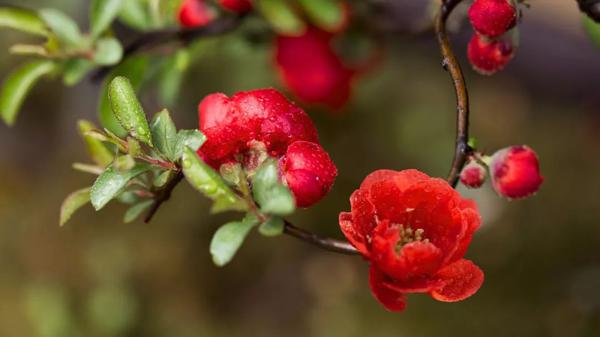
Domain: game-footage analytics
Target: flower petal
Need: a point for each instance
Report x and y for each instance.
(356, 239)
(461, 279)
(391, 299)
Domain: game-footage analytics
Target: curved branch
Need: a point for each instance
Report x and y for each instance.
(333, 245)
(450, 63)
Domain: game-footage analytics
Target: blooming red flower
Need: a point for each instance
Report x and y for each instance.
(195, 13)
(516, 172)
(312, 70)
(308, 171)
(238, 6)
(415, 231)
(492, 17)
(473, 174)
(489, 56)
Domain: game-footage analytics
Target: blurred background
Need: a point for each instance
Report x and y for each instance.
(99, 277)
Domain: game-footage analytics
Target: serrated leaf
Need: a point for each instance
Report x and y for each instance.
(187, 138)
(228, 239)
(204, 179)
(75, 69)
(72, 203)
(108, 51)
(22, 19)
(62, 26)
(274, 226)
(17, 86)
(282, 16)
(100, 154)
(327, 14)
(103, 13)
(112, 182)
(164, 134)
(128, 109)
(272, 196)
(136, 210)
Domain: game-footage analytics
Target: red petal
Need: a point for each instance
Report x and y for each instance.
(391, 299)
(356, 239)
(461, 280)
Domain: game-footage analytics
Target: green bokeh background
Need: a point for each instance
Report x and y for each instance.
(100, 277)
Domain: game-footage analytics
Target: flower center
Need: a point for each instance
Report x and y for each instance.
(408, 235)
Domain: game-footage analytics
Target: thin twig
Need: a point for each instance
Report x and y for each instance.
(163, 195)
(450, 63)
(329, 244)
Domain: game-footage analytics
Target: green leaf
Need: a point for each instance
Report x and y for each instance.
(162, 179)
(204, 179)
(136, 210)
(112, 182)
(29, 49)
(103, 13)
(72, 203)
(124, 163)
(172, 76)
(108, 51)
(592, 28)
(134, 147)
(24, 20)
(97, 150)
(228, 239)
(63, 26)
(327, 14)
(75, 69)
(135, 13)
(18, 84)
(281, 15)
(272, 227)
(164, 134)
(272, 196)
(128, 109)
(187, 138)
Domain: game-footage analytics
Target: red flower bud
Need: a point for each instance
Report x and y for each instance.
(237, 6)
(489, 56)
(195, 13)
(516, 172)
(308, 171)
(312, 70)
(473, 174)
(492, 17)
(415, 230)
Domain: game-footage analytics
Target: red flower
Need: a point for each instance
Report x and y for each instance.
(312, 70)
(516, 172)
(238, 6)
(492, 17)
(195, 13)
(415, 230)
(308, 171)
(473, 174)
(489, 56)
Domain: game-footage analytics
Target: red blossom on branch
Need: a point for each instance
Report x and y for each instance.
(492, 18)
(415, 231)
(237, 6)
(489, 56)
(473, 174)
(515, 172)
(194, 14)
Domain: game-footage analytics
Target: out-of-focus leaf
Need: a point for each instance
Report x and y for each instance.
(134, 147)
(327, 14)
(136, 210)
(87, 168)
(274, 226)
(281, 16)
(128, 109)
(162, 179)
(75, 69)
(135, 13)
(18, 84)
(97, 150)
(124, 163)
(164, 134)
(111, 182)
(72, 203)
(231, 173)
(187, 138)
(172, 76)
(29, 49)
(272, 196)
(108, 51)
(592, 28)
(102, 14)
(63, 26)
(22, 19)
(228, 239)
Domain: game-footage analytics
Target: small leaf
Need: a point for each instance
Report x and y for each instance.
(164, 134)
(63, 26)
(97, 150)
(228, 239)
(327, 14)
(18, 84)
(75, 69)
(111, 182)
(162, 179)
(281, 15)
(231, 173)
(124, 163)
(24, 20)
(72, 203)
(103, 13)
(87, 168)
(272, 196)
(128, 109)
(136, 210)
(272, 227)
(188, 138)
(136, 14)
(29, 49)
(108, 51)
(172, 76)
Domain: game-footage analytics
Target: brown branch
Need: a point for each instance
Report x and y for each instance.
(162, 195)
(450, 63)
(329, 244)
